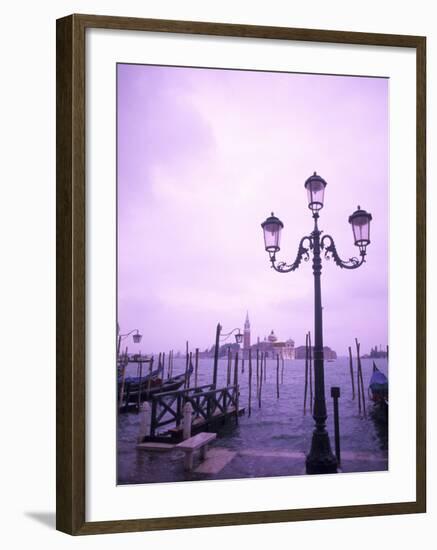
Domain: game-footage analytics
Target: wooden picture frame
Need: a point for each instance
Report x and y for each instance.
(71, 284)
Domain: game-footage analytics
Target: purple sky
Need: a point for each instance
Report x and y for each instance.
(204, 156)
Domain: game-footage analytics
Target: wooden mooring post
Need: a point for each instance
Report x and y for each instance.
(310, 351)
(228, 372)
(190, 369)
(306, 376)
(257, 372)
(261, 380)
(196, 367)
(237, 400)
(360, 388)
(250, 383)
(351, 369)
(277, 376)
(335, 394)
(140, 378)
(282, 369)
(123, 378)
(187, 364)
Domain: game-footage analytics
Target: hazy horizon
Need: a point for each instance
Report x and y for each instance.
(204, 156)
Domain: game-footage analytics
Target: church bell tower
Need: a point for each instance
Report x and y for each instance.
(246, 340)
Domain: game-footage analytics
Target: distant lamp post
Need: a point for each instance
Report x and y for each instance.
(320, 459)
(136, 337)
(224, 337)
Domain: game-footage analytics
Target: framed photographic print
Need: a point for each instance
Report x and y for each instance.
(240, 274)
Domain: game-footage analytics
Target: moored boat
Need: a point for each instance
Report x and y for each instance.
(378, 393)
(378, 386)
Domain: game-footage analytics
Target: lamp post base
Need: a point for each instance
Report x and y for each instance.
(321, 460)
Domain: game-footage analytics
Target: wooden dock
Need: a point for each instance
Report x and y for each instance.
(211, 407)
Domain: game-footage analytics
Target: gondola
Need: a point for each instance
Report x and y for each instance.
(151, 385)
(378, 393)
(378, 386)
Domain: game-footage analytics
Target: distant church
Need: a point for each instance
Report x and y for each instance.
(246, 338)
(271, 346)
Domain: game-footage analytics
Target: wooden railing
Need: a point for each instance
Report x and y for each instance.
(207, 403)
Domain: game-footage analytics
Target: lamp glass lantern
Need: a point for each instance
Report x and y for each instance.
(272, 228)
(315, 186)
(137, 337)
(238, 337)
(360, 221)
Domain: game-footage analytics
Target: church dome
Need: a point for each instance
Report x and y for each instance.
(272, 337)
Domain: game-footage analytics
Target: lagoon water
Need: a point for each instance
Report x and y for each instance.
(274, 439)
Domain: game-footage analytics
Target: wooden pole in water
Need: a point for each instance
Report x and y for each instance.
(265, 366)
(360, 373)
(216, 354)
(310, 351)
(228, 372)
(306, 376)
(359, 390)
(196, 367)
(250, 381)
(277, 376)
(351, 368)
(335, 394)
(190, 368)
(282, 369)
(149, 382)
(140, 378)
(163, 366)
(236, 369)
(187, 359)
(257, 372)
(236, 387)
(123, 377)
(261, 380)
(242, 364)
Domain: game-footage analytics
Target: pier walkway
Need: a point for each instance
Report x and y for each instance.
(226, 463)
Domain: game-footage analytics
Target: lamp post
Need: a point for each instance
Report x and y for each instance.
(320, 459)
(136, 337)
(218, 335)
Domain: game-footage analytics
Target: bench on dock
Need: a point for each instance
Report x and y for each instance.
(199, 441)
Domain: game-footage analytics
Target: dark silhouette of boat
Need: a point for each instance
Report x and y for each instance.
(150, 385)
(378, 386)
(378, 394)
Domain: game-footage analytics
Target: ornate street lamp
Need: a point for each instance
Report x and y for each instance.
(315, 186)
(360, 221)
(136, 337)
(224, 337)
(320, 459)
(272, 233)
